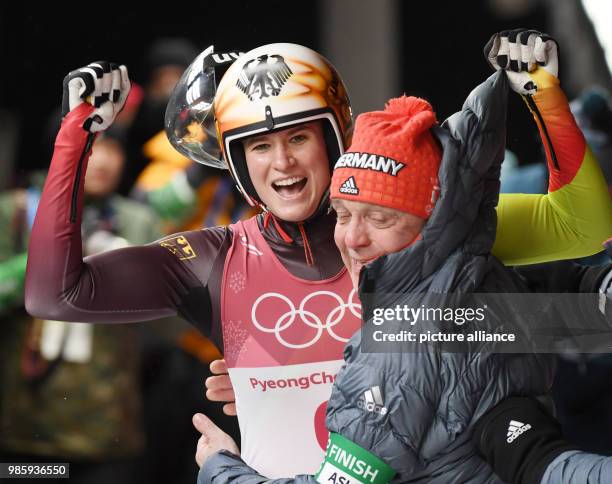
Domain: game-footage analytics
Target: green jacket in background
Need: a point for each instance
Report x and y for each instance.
(79, 410)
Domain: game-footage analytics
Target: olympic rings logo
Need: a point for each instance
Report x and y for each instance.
(307, 317)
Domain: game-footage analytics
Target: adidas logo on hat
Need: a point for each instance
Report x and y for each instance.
(515, 429)
(349, 187)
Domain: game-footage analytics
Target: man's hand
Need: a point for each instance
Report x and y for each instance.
(530, 58)
(103, 85)
(519, 439)
(213, 439)
(219, 387)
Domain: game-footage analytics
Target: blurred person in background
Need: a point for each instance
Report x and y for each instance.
(185, 195)
(70, 391)
(161, 68)
(593, 113)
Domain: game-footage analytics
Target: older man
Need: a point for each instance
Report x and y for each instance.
(415, 215)
(415, 210)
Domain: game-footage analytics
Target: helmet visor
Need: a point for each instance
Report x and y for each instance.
(190, 119)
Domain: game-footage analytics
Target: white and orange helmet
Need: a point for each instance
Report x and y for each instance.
(273, 87)
(269, 88)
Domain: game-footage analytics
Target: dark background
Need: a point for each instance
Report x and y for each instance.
(440, 51)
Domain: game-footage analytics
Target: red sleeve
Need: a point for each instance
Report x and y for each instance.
(131, 284)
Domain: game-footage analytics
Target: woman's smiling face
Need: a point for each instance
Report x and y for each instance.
(289, 170)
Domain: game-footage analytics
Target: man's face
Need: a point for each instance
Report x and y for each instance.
(289, 170)
(163, 80)
(365, 232)
(104, 168)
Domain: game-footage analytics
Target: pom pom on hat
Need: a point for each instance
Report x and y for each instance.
(393, 160)
(407, 106)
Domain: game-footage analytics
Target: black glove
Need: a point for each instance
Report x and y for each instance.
(519, 439)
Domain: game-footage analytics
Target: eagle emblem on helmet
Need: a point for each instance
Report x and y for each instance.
(264, 76)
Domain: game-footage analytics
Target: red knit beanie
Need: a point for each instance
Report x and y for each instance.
(393, 160)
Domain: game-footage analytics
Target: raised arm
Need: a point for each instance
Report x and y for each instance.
(131, 284)
(575, 217)
(541, 455)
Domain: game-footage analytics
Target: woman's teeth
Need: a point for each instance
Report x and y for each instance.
(288, 181)
(290, 186)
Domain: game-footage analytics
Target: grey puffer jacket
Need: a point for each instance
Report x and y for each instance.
(433, 398)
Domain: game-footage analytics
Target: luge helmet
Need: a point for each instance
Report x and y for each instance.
(271, 88)
(189, 120)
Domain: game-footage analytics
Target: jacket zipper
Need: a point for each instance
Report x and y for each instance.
(533, 106)
(77, 180)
